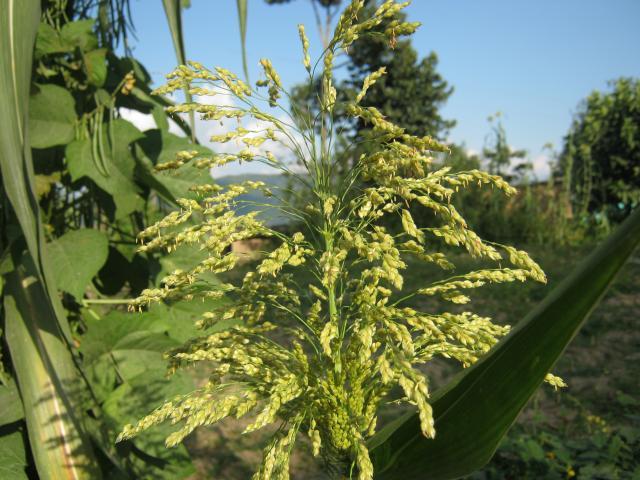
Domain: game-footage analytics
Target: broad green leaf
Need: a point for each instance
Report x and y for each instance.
(136, 398)
(37, 331)
(13, 457)
(49, 41)
(18, 30)
(121, 164)
(79, 34)
(131, 343)
(128, 348)
(182, 317)
(105, 333)
(76, 257)
(161, 146)
(242, 20)
(48, 381)
(18, 25)
(96, 64)
(52, 117)
(157, 103)
(172, 11)
(10, 404)
(474, 412)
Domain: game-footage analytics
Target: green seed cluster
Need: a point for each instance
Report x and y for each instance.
(322, 357)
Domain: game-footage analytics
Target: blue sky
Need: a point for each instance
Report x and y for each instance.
(532, 60)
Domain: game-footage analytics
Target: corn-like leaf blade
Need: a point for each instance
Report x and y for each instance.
(48, 380)
(172, 10)
(37, 331)
(242, 21)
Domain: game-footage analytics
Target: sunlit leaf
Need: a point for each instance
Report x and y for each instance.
(79, 34)
(13, 457)
(76, 258)
(48, 381)
(119, 183)
(52, 117)
(96, 64)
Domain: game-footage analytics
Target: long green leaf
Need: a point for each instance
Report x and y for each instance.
(18, 26)
(37, 330)
(242, 20)
(172, 10)
(48, 380)
(477, 408)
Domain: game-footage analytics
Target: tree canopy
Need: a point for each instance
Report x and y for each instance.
(601, 154)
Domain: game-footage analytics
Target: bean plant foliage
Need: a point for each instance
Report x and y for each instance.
(320, 359)
(94, 189)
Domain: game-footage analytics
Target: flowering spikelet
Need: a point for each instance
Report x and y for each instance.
(322, 356)
(305, 47)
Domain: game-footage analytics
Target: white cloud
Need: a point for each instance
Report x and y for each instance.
(145, 121)
(541, 167)
(205, 129)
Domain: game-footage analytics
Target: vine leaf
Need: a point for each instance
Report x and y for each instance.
(13, 457)
(79, 34)
(52, 117)
(10, 404)
(96, 64)
(159, 146)
(76, 257)
(120, 183)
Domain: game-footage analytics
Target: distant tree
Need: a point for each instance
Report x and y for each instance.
(498, 152)
(410, 94)
(412, 91)
(601, 154)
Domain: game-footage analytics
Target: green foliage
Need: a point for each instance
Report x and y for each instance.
(52, 117)
(36, 330)
(77, 196)
(13, 457)
(76, 258)
(590, 447)
(538, 214)
(46, 374)
(601, 155)
(173, 12)
(10, 406)
(122, 358)
(241, 5)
